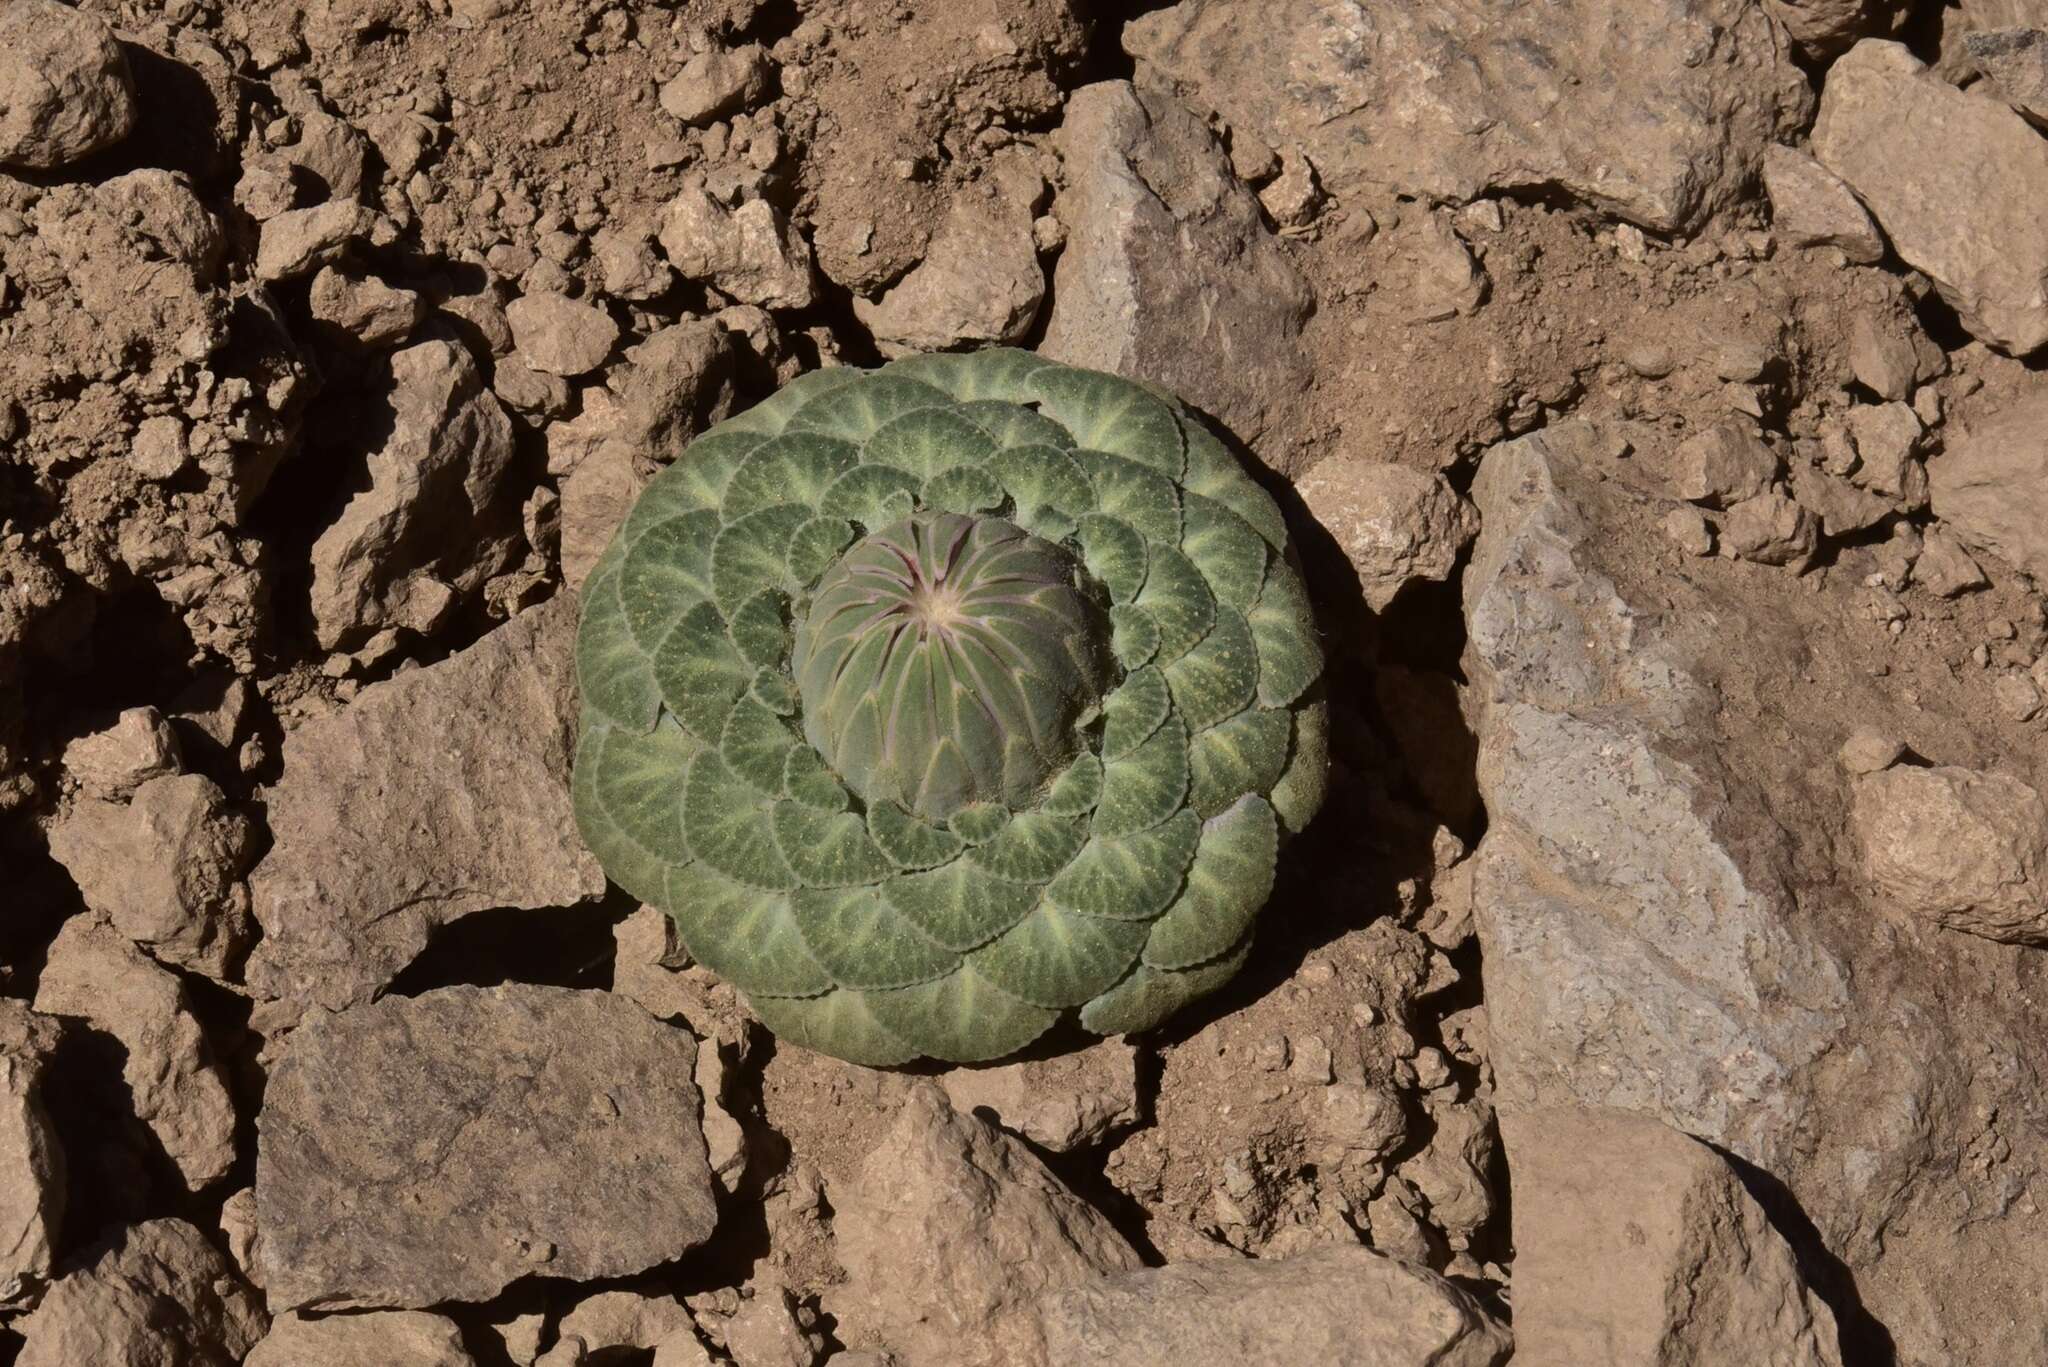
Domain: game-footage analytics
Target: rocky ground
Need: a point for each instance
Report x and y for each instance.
(1655, 384)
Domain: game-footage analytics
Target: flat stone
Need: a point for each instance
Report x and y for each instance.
(437, 793)
(1636, 1243)
(561, 336)
(2015, 62)
(1394, 524)
(148, 1286)
(299, 241)
(951, 1233)
(430, 528)
(1956, 180)
(409, 1337)
(1811, 206)
(112, 763)
(1963, 849)
(1990, 488)
(165, 869)
(717, 83)
(31, 1157)
(174, 1084)
(432, 1148)
(65, 88)
(1169, 273)
(979, 283)
(1340, 1304)
(1657, 111)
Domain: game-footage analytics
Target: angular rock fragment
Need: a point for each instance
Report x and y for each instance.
(1887, 436)
(1811, 206)
(1340, 1304)
(65, 88)
(1944, 568)
(420, 537)
(1955, 179)
(165, 869)
(112, 763)
(2015, 63)
(766, 1333)
(1064, 1103)
(750, 252)
(1636, 1243)
(1394, 524)
(1770, 529)
(174, 1086)
(1720, 466)
(717, 83)
(1964, 849)
(1841, 507)
(365, 310)
(561, 336)
(1169, 274)
(1433, 271)
(31, 1157)
(626, 1319)
(409, 1337)
(299, 241)
(1990, 488)
(1824, 27)
(147, 1287)
(1883, 362)
(629, 263)
(979, 282)
(952, 1231)
(438, 1147)
(438, 793)
(1656, 111)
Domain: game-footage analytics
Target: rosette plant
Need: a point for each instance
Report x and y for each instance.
(940, 701)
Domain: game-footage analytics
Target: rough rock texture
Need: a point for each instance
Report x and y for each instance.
(1954, 178)
(1168, 274)
(950, 1233)
(436, 1147)
(1392, 522)
(1658, 940)
(155, 1293)
(2014, 61)
(1811, 206)
(112, 763)
(1636, 1243)
(750, 252)
(1658, 111)
(1063, 1103)
(31, 1156)
(438, 793)
(561, 336)
(409, 1337)
(175, 1087)
(65, 89)
(1964, 849)
(1340, 1304)
(165, 869)
(1827, 26)
(405, 550)
(1990, 488)
(980, 282)
(626, 1319)
(365, 310)
(1770, 529)
(714, 84)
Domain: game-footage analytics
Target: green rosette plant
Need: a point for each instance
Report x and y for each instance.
(940, 701)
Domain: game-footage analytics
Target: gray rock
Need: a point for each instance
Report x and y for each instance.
(175, 1087)
(65, 88)
(365, 310)
(1341, 1304)
(112, 763)
(409, 1337)
(1636, 1243)
(153, 1293)
(1811, 206)
(31, 1157)
(430, 528)
(2015, 62)
(717, 83)
(979, 282)
(561, 336)
(1169, 274)
(1955, 179)
(165, 869)
(1963, 849)
(438, 793)
(438, 1147)
(1990, 488)
(750, 252)
(949, 1235)
(1064, 1103)
(1394, 524)
(1658, 111)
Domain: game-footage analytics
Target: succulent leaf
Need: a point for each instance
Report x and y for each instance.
(938, 702)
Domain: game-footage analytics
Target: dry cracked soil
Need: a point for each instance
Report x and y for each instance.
(1655, 386)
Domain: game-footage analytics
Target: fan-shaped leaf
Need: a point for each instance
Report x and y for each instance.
(1230, 880)
(1057, 958)
(960, 906)
(745, 937)
(1130, 877)
(961, 1016)
(864, 942)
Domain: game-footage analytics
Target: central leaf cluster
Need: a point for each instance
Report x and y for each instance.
(946, 660)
